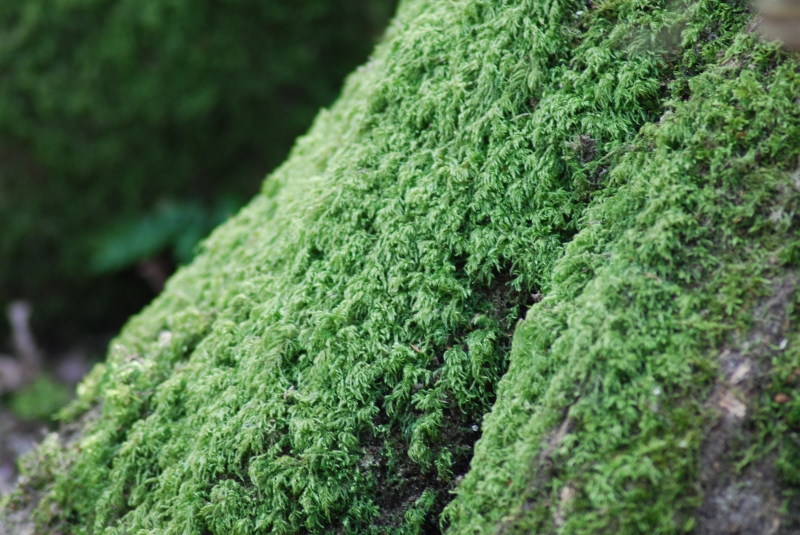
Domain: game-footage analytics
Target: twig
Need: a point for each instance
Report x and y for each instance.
(19, 315)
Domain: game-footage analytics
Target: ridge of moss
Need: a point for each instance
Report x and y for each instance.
(602, 419)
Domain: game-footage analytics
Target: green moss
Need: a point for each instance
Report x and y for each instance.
(623, 352)
(326, 363)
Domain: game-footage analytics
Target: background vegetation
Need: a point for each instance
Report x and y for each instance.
(129, 129)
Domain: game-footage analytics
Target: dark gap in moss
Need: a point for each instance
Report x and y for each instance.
(315, 254)
(400, 482)
(584, 147)
(507, 306)
(459, 261)
(568, 231)
(505, 300)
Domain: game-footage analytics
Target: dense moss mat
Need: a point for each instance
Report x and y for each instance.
(602, 420)
(110, 107)
(622, 169)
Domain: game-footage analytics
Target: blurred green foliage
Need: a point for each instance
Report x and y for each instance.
(112, 108)
(176, 227)
(39, 400)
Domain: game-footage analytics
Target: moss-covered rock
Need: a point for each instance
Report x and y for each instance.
(621, 174)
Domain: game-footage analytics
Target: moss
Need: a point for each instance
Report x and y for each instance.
(624, 169)
(602, 418)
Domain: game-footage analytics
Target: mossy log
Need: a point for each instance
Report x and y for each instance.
(534, 272)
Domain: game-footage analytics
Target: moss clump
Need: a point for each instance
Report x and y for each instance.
(326, 363)
(602, 421)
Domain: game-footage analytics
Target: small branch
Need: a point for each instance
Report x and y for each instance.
(19, 315)
(12, 375)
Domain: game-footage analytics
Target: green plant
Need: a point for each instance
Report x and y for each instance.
(108, 106)
(176, 227)
(40, 400)
(619, 176)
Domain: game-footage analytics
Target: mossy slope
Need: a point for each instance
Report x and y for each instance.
(671, 319)
(326, 363)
